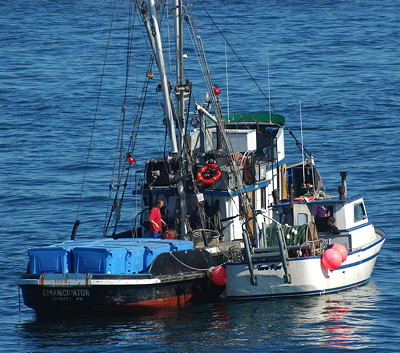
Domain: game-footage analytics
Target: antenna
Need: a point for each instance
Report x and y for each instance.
(227, 82)
(302, 143)
(312, 174)
(269, 90)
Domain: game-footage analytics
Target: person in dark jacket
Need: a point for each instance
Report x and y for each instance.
(327, 224)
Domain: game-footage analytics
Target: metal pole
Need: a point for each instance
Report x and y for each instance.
(283, 254)
(253, 279)
(158, 51)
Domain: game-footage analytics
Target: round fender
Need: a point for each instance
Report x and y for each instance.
(209, 174)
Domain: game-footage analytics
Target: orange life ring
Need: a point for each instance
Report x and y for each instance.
(304, 198)
(209, 174)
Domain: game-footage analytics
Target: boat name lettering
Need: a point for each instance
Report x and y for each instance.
(66, 293)
(274, 267)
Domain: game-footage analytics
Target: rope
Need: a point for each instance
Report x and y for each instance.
(190, 267)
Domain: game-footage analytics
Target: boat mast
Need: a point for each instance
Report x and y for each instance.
(155, 39)
(180, 88)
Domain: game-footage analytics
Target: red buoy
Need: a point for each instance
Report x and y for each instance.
(130, 159)
(218, 276)
(331, 259)
(217, 90)
(168, 234)
(342, 250)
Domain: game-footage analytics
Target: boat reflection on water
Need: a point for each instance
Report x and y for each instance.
(348, 319)
(340, 320)
(339, 331)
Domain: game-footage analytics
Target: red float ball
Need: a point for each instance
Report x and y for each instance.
(131, 160)
(217, 90)
(342, 250)
(331, 259)
(218, 276)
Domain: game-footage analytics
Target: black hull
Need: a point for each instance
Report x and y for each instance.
(178, 291)
(172, 283)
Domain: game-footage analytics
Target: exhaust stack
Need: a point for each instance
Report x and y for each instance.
(343, 188)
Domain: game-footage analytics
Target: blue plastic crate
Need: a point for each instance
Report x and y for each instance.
(90, 260)
(134, 260)
(112, 261)
(49, 260)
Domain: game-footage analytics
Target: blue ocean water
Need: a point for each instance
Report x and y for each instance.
(338, 58)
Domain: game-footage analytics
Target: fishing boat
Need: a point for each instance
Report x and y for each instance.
(238, 221)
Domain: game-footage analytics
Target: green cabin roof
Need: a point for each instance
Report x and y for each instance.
(262, 117)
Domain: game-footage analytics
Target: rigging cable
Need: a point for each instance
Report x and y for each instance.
(227, 82)
(119, 145)
(244, 206)
(135, 128)
(298, 144)
(234, 52)
(77, 222)
(248, 72)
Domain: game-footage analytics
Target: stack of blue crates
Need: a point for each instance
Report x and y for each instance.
(105, 256)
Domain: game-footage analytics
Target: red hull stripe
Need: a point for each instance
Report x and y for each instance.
(162, 302)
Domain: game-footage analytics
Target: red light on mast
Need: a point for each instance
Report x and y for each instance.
(130, 159)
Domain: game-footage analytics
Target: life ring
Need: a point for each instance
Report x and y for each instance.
(209, 174)
(304, 198)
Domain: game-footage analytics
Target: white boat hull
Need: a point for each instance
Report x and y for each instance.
(307, 275)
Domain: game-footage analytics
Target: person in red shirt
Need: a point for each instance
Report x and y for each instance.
(156, 221)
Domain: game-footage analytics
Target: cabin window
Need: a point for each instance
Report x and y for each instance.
(359, 212)
(302, 218)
